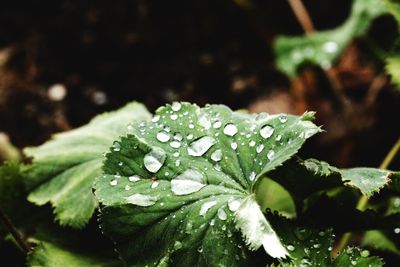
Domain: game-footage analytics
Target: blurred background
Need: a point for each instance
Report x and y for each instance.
(62, 62)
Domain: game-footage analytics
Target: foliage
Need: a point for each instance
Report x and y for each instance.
(195, 187)
(324, 47)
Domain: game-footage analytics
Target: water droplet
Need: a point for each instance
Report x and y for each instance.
(290, 247)
(222, 214)
(330, 248)
(217, 124)
(205, 122)
(317, 245)
(156, 118)
(176, 106)
(364, 253)
(266, 131)
(175, 144)
(154, 184)
(234, 146)
(116, 146)
(177, 245)
(278, 137)
(177, 163)
(113, 182)
(120, 163)
(330, 47)
(252, 176)
(162, 137)
(234, 205)
(200, 249)
(189, 136)
(141, 200)
(259, 148)
(216, 155)
(127, 187)
(353, 262)
(302, 233)
(283, 118)
(270, 154)
(176, 154)
(191, 126)
(252, 143)
(396, 230)
(206, 206)
(230, 129)
(188, 182)
(134, 178)
(154, 160)
(212, 222)
(173, 117)
(178, 137)
(201, 146)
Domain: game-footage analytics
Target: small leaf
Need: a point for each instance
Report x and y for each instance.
(182, 184)
(55, 246)
(324, 47)
(353, 256)
(378, 240)
(64, 168)
(318, 175)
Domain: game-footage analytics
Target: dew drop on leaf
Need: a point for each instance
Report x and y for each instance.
(154, 160)
(222, 214)
(156, 118)
(234, 205)
(252, 143)
(206, 206)
(396, 230)
(176, 106)
(216, 155)
(162, 137)
(177, 245)
(330, 47)
(266, 131)
(259, 148)
(217, 124)
(141, 200)
(290, 247)
(252, 176)
(283, 118)
(154, 185)
(270, 154)
(127, 187)
(230, 129)
(133, 178)
(175, 144)
(113, 182)
(201, 146)
(188, 182)
(173, 117)
(234, 146)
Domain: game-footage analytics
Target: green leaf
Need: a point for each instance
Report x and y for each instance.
(353, 256)
(318, 175)
(324, 47)
(64, 168)
(306, 246)
(181, 189)
(55, 246)
(378, 240)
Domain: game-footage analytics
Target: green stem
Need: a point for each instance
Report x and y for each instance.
(363, 201)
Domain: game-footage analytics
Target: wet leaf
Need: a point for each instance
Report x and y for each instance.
(64, 168)
(180, 190)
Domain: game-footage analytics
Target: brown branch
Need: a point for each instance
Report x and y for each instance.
(306, 23)
(302, 15)
(376, 86)
(14, 232)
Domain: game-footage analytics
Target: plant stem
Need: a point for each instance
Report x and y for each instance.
(302, 15)
(306, 23)
(363, 201)
(14, 232)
